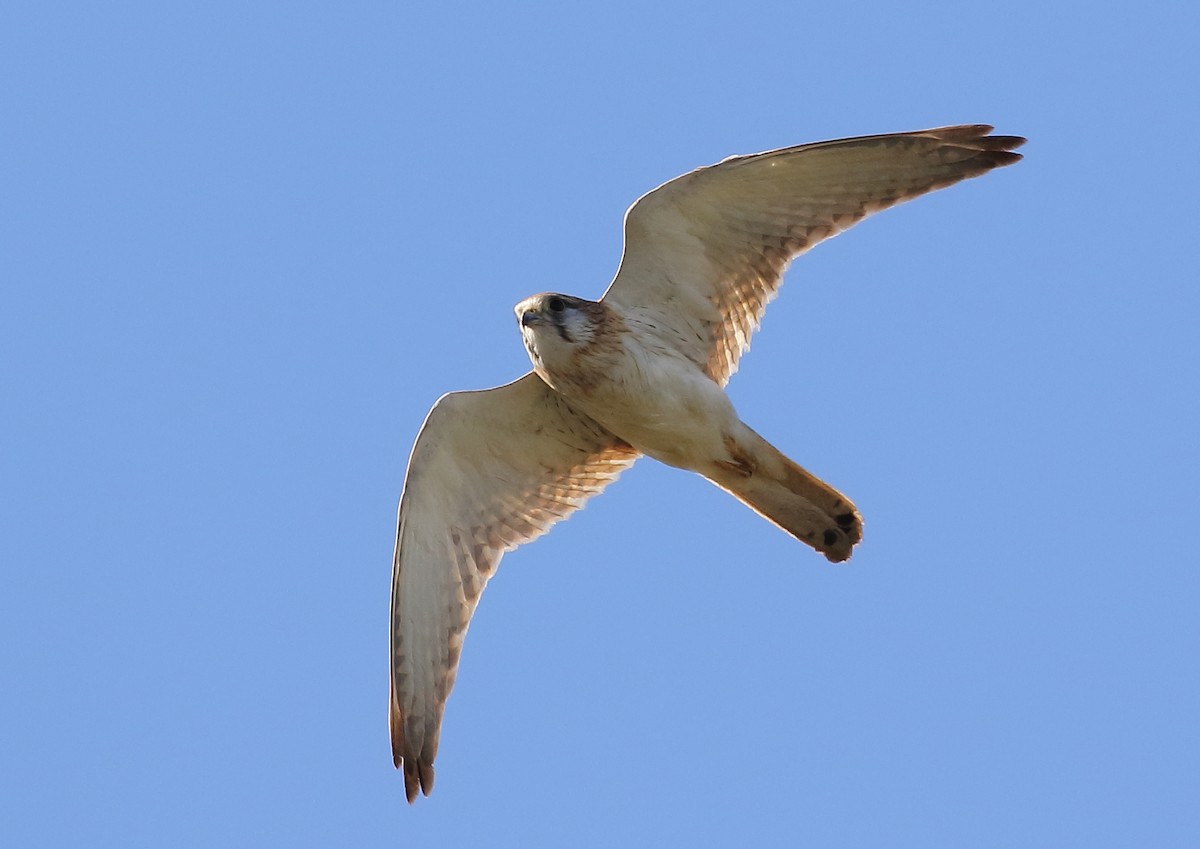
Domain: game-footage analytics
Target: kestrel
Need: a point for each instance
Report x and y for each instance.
(641, 371)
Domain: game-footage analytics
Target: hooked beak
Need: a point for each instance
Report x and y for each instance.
(529, 318)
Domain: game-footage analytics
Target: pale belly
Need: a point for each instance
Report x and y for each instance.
(665, 408)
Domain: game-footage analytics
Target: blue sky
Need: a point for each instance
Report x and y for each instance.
(245, 247)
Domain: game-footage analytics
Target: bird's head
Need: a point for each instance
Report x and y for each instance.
(555, 326)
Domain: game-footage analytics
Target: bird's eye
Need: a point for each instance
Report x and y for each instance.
(556, 305)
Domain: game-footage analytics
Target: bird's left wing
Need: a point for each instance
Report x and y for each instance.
(490, 470)
(705, 252)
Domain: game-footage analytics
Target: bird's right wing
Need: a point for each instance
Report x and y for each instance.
(706, 252)
(490, 470)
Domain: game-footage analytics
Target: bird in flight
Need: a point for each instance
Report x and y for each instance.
(640, 371)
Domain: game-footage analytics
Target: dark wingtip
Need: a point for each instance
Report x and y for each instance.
(1000, 158)
(1001, 142)
(958, 132)
(976, 134)
(411, 785)
(425, 771)
(995, 151)
(418, 778)
(999, 149)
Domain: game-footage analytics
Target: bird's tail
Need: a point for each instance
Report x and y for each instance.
(812, 511)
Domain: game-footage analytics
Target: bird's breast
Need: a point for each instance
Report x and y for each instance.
(656, 400)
